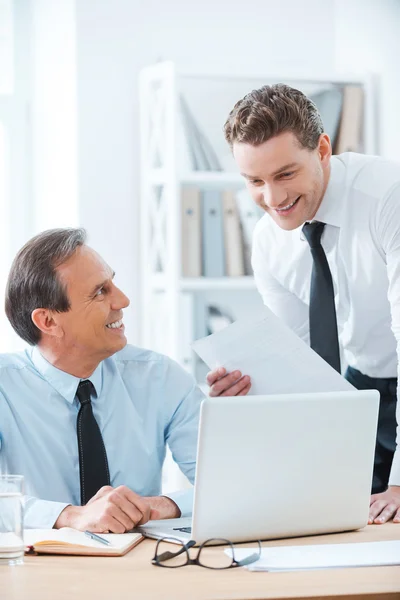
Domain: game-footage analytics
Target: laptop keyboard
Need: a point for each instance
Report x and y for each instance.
(184, 529)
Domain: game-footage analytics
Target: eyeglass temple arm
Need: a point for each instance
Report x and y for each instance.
(168, 555)
(250, 559)
(247, 560)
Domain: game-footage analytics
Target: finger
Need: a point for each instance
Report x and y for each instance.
(245, 391)
(102, 492)
(238, 387)
(375, 497)
(213, 376)
(137, 501)
(386, 514)
(128, 521)
(375, 509)
(131, 513)
(224, 383)
(396, 518)
(153, 516)
(108, 524)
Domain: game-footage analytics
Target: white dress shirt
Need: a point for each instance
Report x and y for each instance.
(361, 239)
(143, 401)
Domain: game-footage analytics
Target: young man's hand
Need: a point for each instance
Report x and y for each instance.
(223, 383)
(116, 510)
(386, 505)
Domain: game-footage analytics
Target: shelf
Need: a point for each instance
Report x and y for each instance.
(217, 283)
(317, 78)
(189, 284)
(201, 178)
(212, 179)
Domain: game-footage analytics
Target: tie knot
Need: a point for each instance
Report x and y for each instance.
(313, 232)
(85, 388)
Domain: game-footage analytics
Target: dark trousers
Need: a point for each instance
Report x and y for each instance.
(386, 435)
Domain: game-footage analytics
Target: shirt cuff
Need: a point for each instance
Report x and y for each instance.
(394, 478)
(41, 514)
(183, 500)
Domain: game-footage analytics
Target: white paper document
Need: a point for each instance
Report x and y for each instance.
(276, 359)
(325, 556)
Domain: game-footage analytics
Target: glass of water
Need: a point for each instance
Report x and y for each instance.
(11, 520)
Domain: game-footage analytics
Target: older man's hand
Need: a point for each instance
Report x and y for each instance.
(223, 383)
(386, 505)
(116, 510)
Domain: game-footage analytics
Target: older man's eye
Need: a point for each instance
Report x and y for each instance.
(100, 292)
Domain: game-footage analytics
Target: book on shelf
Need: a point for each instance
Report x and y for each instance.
(349, 138)
(213, 251)
(329, 103)
(201, 152)
(71, 541)
(233, 239)
(249, 214)
(216, 228)
(191, 232)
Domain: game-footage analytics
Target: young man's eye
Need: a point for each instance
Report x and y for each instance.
(287, 174)
(255, 181)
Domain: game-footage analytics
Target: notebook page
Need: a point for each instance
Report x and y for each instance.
(275, 358)
(74, 537)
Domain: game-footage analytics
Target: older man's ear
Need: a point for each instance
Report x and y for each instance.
(46, 322)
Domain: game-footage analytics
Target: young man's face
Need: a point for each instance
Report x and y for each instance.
(96, 303)
(285, 179)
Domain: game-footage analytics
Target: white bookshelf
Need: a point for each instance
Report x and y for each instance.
(164, 323)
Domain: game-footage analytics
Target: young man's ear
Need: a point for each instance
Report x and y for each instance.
(325, 149)
(45, 320)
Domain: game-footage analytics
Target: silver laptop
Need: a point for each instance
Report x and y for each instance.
(280, 466)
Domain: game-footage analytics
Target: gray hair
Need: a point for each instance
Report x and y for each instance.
(33, 281)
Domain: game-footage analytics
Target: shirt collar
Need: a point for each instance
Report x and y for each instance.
(330, 210)
(64, 383)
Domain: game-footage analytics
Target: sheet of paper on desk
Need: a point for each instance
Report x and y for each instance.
(324, 556)
(276, 359)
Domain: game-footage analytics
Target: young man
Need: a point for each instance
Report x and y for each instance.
(326, 256)
(84, 417)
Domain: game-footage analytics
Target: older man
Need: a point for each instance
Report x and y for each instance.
(84, 416)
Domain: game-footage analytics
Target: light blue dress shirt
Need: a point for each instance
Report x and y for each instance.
(144, 401)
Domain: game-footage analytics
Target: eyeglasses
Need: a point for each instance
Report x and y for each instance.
(204, 558)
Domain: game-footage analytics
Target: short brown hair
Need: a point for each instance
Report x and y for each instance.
(273, 109)
(33, 281)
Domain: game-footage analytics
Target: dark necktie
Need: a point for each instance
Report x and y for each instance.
(322, 312)
(93, 465)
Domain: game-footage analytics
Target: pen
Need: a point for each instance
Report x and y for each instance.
(97, 538)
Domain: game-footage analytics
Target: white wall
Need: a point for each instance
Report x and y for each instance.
(54, 114)
(367, 40)
(115, 39)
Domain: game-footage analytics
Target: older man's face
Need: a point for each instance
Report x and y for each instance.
(93, 325)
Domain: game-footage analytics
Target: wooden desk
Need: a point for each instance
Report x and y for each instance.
(134, 577)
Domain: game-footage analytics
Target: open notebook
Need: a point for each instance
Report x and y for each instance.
(71, 541)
